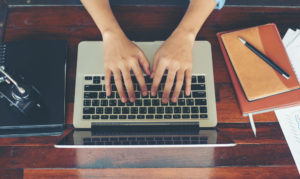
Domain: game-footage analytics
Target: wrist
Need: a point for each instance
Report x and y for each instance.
(189, 33)
(109, 32)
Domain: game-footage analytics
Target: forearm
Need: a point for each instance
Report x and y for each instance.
(195, 16)
(102, 15)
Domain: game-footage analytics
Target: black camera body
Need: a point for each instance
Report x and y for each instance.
(24, 97)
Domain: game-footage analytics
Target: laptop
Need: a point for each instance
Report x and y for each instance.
(102, 121)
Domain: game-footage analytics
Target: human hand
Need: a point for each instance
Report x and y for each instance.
(175, 55)
(121, 56)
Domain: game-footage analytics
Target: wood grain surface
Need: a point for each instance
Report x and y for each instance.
(266, 156)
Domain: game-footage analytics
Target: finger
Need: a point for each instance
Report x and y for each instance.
(140, 78)
(107, 82)
(154, 66)
(157, 78)
(128, 84)
(145, 63)
(188, 80)
(168, 85)
(119, 85)
(178, 86)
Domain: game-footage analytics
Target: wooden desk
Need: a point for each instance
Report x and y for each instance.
(266, 156)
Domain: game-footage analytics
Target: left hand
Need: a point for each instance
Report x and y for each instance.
(175, 55)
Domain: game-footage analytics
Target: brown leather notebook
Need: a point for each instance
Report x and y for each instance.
(257, 78)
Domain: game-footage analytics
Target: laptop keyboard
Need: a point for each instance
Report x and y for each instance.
(146, 140)
(98, 106)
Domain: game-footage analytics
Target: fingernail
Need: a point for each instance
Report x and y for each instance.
(165, 100)
(153, 93)
(123, 99)
(144, 93)
(131, 99)
(174, 99)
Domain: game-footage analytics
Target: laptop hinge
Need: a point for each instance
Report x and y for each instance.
(95, 124)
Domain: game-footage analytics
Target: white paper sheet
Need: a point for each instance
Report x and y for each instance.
(289, 120)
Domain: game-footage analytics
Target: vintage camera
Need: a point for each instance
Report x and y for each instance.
(24, 97)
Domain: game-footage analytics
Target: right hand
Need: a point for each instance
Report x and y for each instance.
(121, 56)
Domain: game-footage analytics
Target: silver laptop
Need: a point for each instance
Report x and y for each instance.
(104, 121)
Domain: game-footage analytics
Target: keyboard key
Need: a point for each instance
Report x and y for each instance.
(194, 109)
(158, 116)
(122, 117)
(201, 79)
(149, 87)
(186, 110)
(95, 103)
(155, 102)
(185, 96)
(173, 104)
(143, 110)
(104, 102)
(138, 102)
(95, 117)
(117, 95)
(137, 94)
(190, 102)
(112, 102)
(176, 116)
(198, 87)
(167, 116)
(181, 94)
(169, 110)
(112, 95)
(160, 94)
(195, 116)
(181, 102)
(113, 87)
(125, 110)
(149, 116)
(102, 95)
(128, 103)
(186, 116)
(151, 110)
(104, 116)
(147, 102)
(88, 110)
(203, 116)
(88, 78)
(134, 110)
(86, 102)
(117, 110)
(203, 110)
(108, 110)
(200, 102)
(113, 116)
(85, 117)
(163, 104)
(99, 110)
(92, 87)
(141, 116)
(148, 79)
(194, 79)
(89, 95)
(120, 103)
(131, 117)
(160, 110)
(96, 79)
(177, 110)
(199, 94)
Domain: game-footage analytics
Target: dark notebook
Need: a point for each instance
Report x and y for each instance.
(42, 64)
